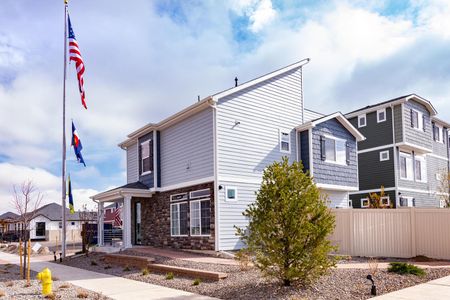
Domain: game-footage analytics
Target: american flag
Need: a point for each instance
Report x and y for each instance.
(117, 219)
(75, 55)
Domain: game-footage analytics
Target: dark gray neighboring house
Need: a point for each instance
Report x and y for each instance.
(406, 151)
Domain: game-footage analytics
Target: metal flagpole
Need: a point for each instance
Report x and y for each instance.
(63, 167)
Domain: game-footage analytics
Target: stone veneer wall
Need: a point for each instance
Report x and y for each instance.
(155, 213)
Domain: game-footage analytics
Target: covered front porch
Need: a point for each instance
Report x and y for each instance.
(126, 227)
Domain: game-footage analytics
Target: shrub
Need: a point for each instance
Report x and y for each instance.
(289, 226)
(405, 268)
(64, 286)
(94, 263)
(169, 276)
(50, 296)
(197, 281)
(243, 258)
(145, 272)
(126, 269)
(82, 294)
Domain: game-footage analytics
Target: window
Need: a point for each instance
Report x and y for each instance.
(40, 229)
(178, 197)
(381, 115)
(384, 155)
(406, 166)
(179, 219)
(420, 169)
(146, 161)
(438, 133)
(199, 194)
(406, 201)
(364, 202)
(231, 194)
(384, 201)
(200, 217)
(60, 225)
(285, 141)
(334, 150)
(416, 119)
(362, 121)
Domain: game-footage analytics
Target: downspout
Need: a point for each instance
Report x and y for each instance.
(394, 152)
(216, 183)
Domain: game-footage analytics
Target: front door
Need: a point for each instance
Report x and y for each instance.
(137, 223)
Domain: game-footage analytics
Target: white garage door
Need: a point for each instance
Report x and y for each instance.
(337, 198)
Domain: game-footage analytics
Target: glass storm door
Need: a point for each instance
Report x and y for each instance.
(137, 222)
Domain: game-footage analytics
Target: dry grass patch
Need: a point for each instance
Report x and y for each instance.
(50, 296)
(2, 293)
(54, 278)
(9, 283)
(64, 286)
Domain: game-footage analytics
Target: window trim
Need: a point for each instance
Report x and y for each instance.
(177, 200)
(419, 120)
(142, 158)
(407, 156)
(190, 218)
(179, 227)
(336, 162)
(362, 201)
(280, 135)
(235, 194)
(381, 155)
(378, 115)
(388, 200)
(408, 198)
(360, 117)
(440, 132)
(198, 197)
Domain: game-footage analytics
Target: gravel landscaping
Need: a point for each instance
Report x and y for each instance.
(339, 284)
(13, 288)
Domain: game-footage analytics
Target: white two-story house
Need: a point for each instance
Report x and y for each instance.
(190, 176)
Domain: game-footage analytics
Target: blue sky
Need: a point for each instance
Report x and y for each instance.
(150, 59)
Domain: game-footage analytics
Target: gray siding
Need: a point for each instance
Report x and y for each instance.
(377, 134)
(329, 173)
(414, 136)
(425, 199)
(356, 198)
(244, 150)
(132, 163)
(435, 166)
(187, 151)
(374, 173)
(398, 123)
(312, 115)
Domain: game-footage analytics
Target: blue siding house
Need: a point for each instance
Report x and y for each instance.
(199, 169)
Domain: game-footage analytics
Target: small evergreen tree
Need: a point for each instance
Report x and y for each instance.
(289, 226)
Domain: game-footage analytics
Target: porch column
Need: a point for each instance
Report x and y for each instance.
(100, 215)
(127, 221)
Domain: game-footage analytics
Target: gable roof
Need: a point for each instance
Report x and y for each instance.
(338, 116)
(8, 216)
(205, 103)
(52, 211)
(395, 101)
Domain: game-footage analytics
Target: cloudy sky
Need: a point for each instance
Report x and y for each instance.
(149, 59)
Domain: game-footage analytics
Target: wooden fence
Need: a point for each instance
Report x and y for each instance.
(405, 232)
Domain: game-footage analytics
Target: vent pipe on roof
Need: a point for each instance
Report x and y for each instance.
(198, 98)
(235, 82)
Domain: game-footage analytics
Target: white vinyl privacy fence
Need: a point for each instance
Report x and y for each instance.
(405, 232)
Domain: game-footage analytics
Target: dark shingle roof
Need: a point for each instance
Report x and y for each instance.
(133, 185)
(379, 103)
(8, 216)
(52, 211)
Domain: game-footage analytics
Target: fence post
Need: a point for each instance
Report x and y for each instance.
(351, 233)
(413, 231)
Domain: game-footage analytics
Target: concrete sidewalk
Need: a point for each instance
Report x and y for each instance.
(108, 285)
(432, 290)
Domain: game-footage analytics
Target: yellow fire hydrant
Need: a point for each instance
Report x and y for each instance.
(45, 276)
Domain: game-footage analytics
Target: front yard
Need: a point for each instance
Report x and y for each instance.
(249, 284)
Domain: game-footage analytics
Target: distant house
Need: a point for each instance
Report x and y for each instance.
(46, 224)
(190, 176)
(406, 150)
(7, 222)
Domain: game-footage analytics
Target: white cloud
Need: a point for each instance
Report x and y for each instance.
(260, 12)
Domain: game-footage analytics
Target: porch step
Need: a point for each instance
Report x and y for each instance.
(194, 273)
(129, 260)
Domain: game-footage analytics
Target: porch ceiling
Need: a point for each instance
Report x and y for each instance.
(135, 189)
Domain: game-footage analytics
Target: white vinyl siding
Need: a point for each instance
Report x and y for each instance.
(187, 149)
(244, 150)
(132, 164)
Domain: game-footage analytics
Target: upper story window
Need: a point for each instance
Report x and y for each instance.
(417, 120)
(420, 171)
(199, 194)
(362, 121)
(406, 166)
(146, 157)
(334, 150)
(381, 115)
(384, 155)
(285, 141)
(438, 135)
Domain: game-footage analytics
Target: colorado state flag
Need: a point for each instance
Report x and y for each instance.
(76, 143)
